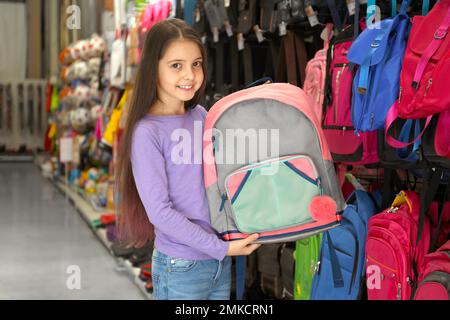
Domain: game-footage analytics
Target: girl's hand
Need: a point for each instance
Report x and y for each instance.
(243, 247)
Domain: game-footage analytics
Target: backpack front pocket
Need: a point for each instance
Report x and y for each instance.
(274, 194)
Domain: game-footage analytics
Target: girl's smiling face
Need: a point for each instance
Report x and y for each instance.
(180, 72)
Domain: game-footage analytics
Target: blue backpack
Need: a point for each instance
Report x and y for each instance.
(341, 266)
(378, 51)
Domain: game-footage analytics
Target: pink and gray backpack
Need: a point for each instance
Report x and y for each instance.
(251, 188)
(316, 71)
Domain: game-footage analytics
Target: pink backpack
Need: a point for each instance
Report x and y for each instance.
(426, 65)
(392, 257)
(425, 76)
(442, 135)
(316, 71)
(435, 279)
(345, 145)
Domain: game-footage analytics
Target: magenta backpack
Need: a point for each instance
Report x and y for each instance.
(426, 65)
(345, 145)
(392, 258)
(435, 279)
(425, 76)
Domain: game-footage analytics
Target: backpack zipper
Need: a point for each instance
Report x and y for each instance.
(338, 76)
(399, 291)
(430, 81)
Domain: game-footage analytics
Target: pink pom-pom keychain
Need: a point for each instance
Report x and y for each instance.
(322, 208)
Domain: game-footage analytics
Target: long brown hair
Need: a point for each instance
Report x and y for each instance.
(134, 226)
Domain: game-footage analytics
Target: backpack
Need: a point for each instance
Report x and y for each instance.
(426, 65)
(301, 170)
(287, 266)
(435, 279)
(269, 269)
(442, 136)
(393, 258)
(378, 51)
(340, 269)
(306, 256)
(315, 74)
(424, 70)
(345, 146)
(436, 139)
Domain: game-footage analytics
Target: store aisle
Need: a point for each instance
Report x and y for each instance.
(42, 235)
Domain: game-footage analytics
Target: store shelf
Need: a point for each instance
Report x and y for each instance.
(88, 213)
(16, 158)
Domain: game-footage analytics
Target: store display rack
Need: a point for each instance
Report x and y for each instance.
(89, 214)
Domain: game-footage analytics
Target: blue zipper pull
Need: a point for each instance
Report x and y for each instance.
(224, 198)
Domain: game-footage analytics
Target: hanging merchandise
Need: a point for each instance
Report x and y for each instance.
(316, 71)
(54, 104)
(340, 268)
(306, 258)
(394, 258)
(188, 15)
(425, 69)
(118, 63)
(426, 66)
(435, 279)
(113, 124)
(345, 146)
(155, 12)
(378, 51)
(293, 60)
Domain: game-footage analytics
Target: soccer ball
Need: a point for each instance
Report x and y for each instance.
(82, 92)
(94, 66)
(79, 118)
(96, 46)
(82, 49)
(80, 70)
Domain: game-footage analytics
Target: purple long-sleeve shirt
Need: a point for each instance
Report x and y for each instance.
(166, 158)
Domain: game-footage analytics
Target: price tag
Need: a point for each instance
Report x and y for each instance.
(312, 16)
(324, 35)
(282, 29)
(240, 40)
(309, 39)
(65, 150)
(351, 6)
(228, 29)
(204, 39)
(227, 3)
(197, 15)
(215, 35)
(363, 1)
(258, 33)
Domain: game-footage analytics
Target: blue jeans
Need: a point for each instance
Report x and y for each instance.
(184, 279)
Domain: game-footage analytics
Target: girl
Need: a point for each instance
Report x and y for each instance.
(161, 191)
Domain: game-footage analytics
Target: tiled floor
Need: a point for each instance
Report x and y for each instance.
(42, 237)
